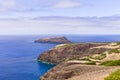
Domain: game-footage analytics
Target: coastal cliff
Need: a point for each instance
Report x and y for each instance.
(76, 61)
(69, 51)
(76, 71)
(53, 40)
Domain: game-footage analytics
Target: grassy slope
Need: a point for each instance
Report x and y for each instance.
(114, 76)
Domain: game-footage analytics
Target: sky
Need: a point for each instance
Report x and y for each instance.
(34, 17)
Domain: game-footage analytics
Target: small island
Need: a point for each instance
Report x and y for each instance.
(59, 40)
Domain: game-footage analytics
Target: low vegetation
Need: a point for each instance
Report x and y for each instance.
(118, 43)
(85, 59)
(64, 45)
(98, 57)
(114, 76)
(90, 63)
(114, 51)
(111, 63)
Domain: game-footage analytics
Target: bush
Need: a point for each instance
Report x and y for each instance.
(111, 63)
(65, 45)
(85, 59)
(114, 76)
(118, 43)
(114, 51)
(98, 57)
(91, 63)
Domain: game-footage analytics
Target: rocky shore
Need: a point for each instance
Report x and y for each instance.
(76, 61)
(69, 51)
(76, 71)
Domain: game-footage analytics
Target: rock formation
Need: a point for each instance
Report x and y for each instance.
(68, 51)
(81, 61)
(53, 40)
(76, 71)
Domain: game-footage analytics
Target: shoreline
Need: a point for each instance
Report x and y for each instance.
(49, 63)
(91, 53)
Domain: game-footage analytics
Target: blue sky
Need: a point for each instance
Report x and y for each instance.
(59, 17)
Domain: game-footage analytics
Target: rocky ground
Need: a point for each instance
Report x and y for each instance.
(76, 71)
(71, 51)
(75, 61)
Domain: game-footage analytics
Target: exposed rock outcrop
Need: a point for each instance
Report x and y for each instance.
(80, 61)
(67, 51)
(75, 71)
(53, 40)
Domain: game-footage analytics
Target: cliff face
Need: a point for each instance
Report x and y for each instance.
(76, 61)
(70, 51)
(53, 40)
(76, 71)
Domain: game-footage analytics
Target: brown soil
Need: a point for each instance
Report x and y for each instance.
(75, 71)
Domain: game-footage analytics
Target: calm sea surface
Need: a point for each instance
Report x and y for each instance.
(18, 54)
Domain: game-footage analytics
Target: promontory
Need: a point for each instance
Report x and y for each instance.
(83, 61)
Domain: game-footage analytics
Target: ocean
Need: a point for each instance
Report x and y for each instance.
(18, 54)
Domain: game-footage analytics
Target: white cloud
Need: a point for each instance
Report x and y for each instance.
(66, 4)
(6, 5)
(60, 26)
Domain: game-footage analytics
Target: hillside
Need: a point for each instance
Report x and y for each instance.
(76, 61)
(70, 51)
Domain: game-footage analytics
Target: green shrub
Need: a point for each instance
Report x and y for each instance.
(114, 76)
(111, 63)
(91, 63)
(98, 57)
(65, 45)
(85, 59)
(118, 43)
(114, 51)
(102, 56)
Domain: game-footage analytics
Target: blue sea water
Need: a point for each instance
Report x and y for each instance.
(18, 54)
